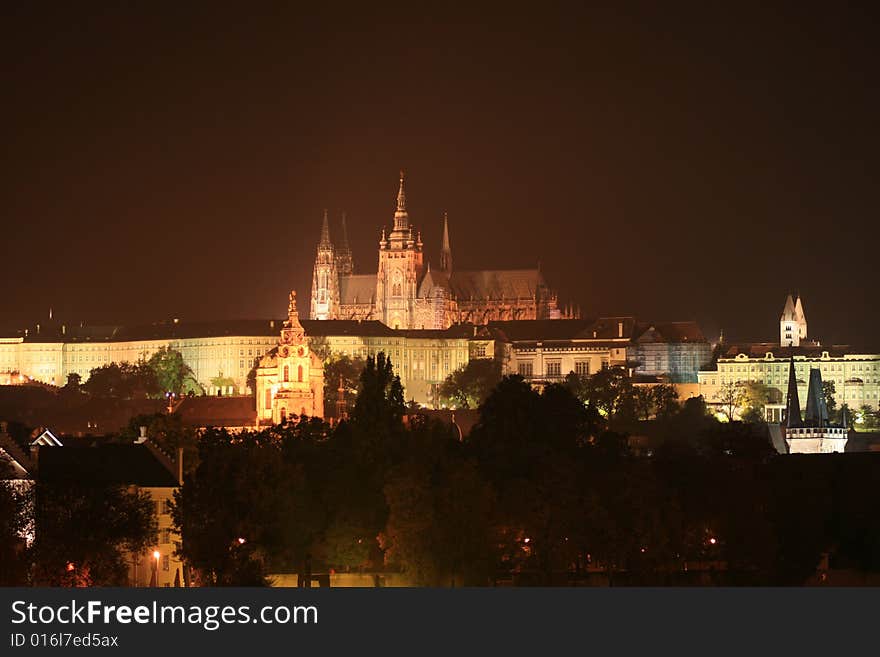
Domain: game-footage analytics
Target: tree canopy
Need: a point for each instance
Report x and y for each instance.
(471, 384)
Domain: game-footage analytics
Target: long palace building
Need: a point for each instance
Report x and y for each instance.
(405, 292)
(223, 353)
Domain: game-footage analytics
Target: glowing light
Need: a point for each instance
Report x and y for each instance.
(241, 541)
(70, 567)
(712, 541)
(156, 555)
(527, 540)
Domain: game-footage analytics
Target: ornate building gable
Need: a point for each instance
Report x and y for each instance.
(290, 379)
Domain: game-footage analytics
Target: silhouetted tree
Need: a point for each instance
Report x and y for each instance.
(468, 386)
(347, 369)
(85, 532)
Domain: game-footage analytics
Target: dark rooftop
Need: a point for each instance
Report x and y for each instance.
(209, 411)
(110, 465)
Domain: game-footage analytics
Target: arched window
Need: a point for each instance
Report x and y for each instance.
(299, 373)
(286, 376)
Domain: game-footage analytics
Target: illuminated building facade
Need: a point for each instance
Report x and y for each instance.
(223, 353)
(290, 378)
(547, 351)
(855, 373)
(406, 293)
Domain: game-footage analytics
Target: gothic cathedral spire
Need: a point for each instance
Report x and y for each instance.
(325, 278)
(401, 217)
(445, 250)
(344, 260)
(325, 232)
(400, 269)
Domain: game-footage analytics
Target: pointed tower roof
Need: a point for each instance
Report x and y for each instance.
(788, 312)
(799, 310)
(445, 249)
(817, 411)
(325, 231)
(401, 217)
(401, 195)
(792, 401)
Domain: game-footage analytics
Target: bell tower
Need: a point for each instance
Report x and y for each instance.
(400, 269)
(792, 323)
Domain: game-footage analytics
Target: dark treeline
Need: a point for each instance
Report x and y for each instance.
(543, 490)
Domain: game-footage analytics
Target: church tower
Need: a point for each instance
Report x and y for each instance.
(290, 378)
(445, 250)
(344, 260)
(400, 269)
(792, 323)
(325, 278)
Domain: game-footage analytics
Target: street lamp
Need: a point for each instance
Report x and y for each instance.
(156, 556)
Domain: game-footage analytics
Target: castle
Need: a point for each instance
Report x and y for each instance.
(406, 293)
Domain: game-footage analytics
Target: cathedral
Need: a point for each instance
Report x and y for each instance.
(407, 293)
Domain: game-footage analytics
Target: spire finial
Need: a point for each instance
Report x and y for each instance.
(401, 218)
(401, 195)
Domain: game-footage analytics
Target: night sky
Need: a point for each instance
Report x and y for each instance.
(686, 163)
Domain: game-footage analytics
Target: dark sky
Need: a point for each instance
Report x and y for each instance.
(685, 163)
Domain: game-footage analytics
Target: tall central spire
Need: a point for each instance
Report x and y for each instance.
(401, 218)
(445, 249)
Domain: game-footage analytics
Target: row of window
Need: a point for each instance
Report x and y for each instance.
(553, 368)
